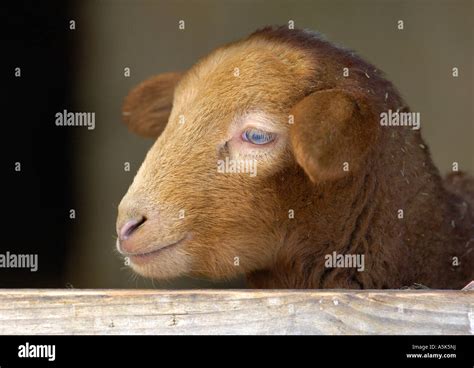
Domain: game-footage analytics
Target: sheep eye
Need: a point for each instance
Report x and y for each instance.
(256, 136)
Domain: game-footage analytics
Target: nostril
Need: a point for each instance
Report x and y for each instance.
(130, 227)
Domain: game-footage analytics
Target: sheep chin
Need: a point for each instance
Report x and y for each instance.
(166, 262)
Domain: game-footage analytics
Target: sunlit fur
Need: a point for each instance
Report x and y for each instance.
(286, 74)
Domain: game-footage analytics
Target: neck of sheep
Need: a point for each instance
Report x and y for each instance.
(395, 213)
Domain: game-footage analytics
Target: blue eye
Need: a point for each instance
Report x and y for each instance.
(256, 136)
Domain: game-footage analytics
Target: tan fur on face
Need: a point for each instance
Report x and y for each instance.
(282, 76)
(180, 173)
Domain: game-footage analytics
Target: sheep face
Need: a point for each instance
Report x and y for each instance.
(209, 200)
(244, 136)
(268, 157)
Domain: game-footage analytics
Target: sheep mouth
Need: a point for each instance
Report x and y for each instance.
(143, 257)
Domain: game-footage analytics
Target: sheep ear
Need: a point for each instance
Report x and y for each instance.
(332, 133)
(147, 107)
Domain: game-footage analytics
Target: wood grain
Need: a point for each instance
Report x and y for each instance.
(49, 311)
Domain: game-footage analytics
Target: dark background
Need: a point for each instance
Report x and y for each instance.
(37, 198)
(82, 70)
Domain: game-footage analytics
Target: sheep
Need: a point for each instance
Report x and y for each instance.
(332, 180)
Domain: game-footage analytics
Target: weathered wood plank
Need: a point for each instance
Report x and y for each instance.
(50, 311)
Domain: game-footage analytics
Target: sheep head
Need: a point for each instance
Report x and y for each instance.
(250, 133)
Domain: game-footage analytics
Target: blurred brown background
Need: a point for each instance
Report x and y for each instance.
(144, 36)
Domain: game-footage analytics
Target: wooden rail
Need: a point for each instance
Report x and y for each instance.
(49, 311)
